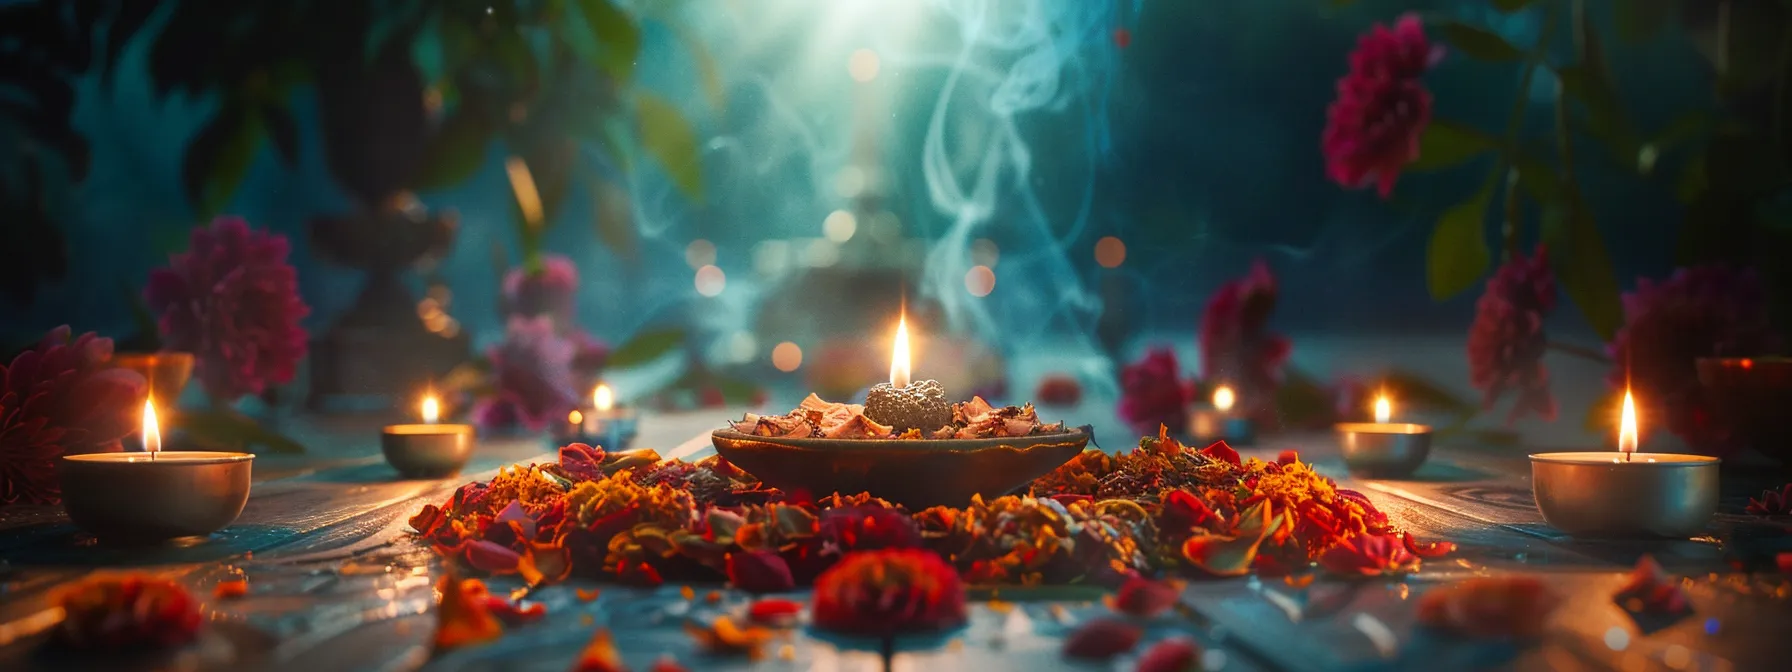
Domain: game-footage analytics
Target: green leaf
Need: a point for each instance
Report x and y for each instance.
(232, 429)
(618, 38)
(1693, 181)
(1479, 43)
(667, 136)
(1538, 180)
(1458, 254)
(1511, 6)
(614, 220)
(1445, 144)
(709, 75)
(456, 151)
(1577, 255)
(736, 391)
(646, 347)
(1642, 20)
(219, 156)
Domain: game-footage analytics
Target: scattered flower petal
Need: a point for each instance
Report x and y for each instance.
(1176, 654)
(1427, 549)
(1772, 502)
(1651, 591)
(723, 637)
(232, 589)
(1515, 607)
(600, 655)
(1146, 598)
(127, 612)
(772, 611)
(1102, 639)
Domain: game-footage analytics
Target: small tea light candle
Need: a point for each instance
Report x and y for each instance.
(1215, 421)
(1625, 494)
(604, 423)
(906, 404)
(155, 495)
(1384, 449)
(429, 450)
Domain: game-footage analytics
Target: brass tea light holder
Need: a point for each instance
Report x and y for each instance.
(1215, 421)
(604, 423)
(428, 450)
(1627, 493)
(154, 496)
(1384, 449)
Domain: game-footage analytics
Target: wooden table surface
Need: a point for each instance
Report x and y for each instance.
(337, 583)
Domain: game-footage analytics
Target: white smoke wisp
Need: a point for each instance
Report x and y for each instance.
(1059, 59)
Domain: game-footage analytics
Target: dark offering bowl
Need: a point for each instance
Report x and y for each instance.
(913, 473)
(1750, 396)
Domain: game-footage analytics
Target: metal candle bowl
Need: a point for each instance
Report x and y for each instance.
(129, 498)
(1384, 449)
(427, 451)
(1600, 494)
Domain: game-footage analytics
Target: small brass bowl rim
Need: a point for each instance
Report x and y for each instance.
(932, 445)
(165, 458)
(1600, 458)
(1403, 428)
(427, 429)
(1768, 360)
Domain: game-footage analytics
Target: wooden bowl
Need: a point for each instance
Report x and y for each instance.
(916, 474)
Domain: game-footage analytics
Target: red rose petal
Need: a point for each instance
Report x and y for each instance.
(1102, 639)
(773, 611)
(1177, 654)
(1224, 453)
(1433, 549)
(1145, 598)
(491, 558)
(759, 572)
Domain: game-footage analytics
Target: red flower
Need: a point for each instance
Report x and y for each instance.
(1152, 393)
(1772, 503)
(869, 528)
(1506, 342)
(546, 289)
(1698, 312)
(1370, 555)
(1372, 130)
(1145, 598)
(125, 612)
(533, 371)
(1059, 389)
(233, 301)
(1237, 347)
(1649, 590)
(1102, 639)
(1515, 607)
(759, 572)
(59, 398)
(885, 592)
(1177, 654)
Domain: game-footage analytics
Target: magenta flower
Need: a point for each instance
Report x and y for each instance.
(1506, 342)
(532, 376)
(546, 290)
(1698, 312)
(60, 398)
(233, 301)
(1152, 393)
(1237, 348)
(1372, 130)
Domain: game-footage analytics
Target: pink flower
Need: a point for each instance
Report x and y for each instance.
(233, 301)
(1237, 348)
(548, 289)
(59, 398)
(1506, 342)
(1372, 130)
(1697, 312)
(532, 371)
(1152, 393)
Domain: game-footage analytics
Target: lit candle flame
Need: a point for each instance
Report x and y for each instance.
(1223, 398)
(152, 431)
(432, 410)
(1627, 426)
(899, 358)
(1384, 409)
(575, 417)
(602, 398)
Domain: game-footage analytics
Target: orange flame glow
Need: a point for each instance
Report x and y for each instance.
(603, 398)
(152, 431)
(1384, 409)
(1627, 425)
(432, 409)
(1224, 398)
(899, 357)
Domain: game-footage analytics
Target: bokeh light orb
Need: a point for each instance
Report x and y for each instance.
(980, 281)
(700, 253)
(710, 281)
(1110, 252)
(840, 226)
(863, 65)
(787, 356)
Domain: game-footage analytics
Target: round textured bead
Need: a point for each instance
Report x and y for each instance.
(922, 405)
